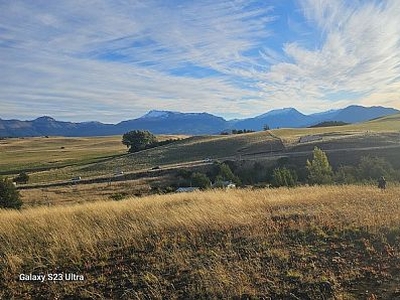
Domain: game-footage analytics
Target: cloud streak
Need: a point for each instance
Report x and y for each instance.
(358, 56)
(115, 60)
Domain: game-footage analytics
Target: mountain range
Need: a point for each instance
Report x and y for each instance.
(170, 122)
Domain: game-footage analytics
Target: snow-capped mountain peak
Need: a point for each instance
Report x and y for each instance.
(158, 114)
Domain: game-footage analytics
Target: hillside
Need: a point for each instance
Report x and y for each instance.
(304, 243)
(102, 156)
(384, 124)
(260, 145)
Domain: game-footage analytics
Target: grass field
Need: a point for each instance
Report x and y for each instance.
(102, 156)
(386, 124)
(85, 193)
(18, 154)
(60, 158)
(328, 242)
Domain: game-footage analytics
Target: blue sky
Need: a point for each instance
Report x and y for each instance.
(115, 60)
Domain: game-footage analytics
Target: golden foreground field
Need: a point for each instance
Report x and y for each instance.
(326, 242)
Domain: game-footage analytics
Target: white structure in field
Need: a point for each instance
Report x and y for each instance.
(224, 184)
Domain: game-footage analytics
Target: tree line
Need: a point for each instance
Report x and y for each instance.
(285, 173)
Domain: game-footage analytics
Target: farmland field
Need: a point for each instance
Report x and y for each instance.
(38, 153)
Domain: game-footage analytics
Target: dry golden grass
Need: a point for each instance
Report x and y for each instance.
(308, 242)
(84, 193)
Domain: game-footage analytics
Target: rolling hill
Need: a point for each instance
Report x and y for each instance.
(80, 159)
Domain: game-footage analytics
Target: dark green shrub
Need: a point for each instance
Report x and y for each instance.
(22, 178)
(200, 180)
(118, 196)
(9, 195)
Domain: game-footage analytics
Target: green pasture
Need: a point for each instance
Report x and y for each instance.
(40, 153)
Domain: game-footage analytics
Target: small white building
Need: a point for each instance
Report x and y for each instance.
(224, 184)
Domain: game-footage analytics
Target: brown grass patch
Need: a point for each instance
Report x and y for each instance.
(308, 242)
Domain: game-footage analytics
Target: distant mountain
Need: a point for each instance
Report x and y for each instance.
(48, 126)
(170, 122)
(325, 115)
(286, 117)
(355, 113)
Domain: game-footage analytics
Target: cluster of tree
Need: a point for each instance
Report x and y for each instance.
(329, 124)
(217, 176)
(319, 171)
(367, 170)
(137, 140)
(237, 131)
(316, 171)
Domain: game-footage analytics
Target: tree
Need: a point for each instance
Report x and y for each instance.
(319, 169)
(284, 177)
(266, 127)
(371, 168)
(9, 195)
(200, 180)
(137, 140)
(225, 173)
(22, 178)
(346, 175)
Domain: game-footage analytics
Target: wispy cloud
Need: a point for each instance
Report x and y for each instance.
(123, 56)
(113, 60)
(357, 60)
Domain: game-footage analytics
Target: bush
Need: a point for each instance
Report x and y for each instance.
(22, 178)
(119, 196)
(9, 195)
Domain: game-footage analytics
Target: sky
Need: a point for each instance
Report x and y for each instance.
(115, 60)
